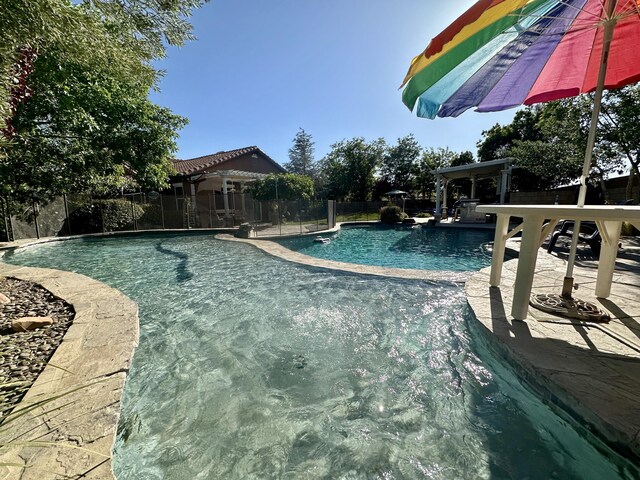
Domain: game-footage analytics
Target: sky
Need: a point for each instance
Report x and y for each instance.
(261, 70)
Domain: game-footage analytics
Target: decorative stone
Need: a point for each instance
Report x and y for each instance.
(4, 299)
(30, 323)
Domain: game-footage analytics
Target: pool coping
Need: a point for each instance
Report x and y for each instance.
(82, 383)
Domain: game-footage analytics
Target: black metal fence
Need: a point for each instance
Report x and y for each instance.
(81, 214)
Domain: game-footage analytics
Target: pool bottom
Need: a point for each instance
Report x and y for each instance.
(415, 247)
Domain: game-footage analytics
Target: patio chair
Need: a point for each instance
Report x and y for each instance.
(589, 234)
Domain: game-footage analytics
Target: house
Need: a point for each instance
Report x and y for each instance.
(209, 190)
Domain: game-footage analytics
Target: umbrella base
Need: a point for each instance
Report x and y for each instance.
(568, 307)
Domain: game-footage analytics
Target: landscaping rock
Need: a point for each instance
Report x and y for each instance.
(4, 299)
(25, 324)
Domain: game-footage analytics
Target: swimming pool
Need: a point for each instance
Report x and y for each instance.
(424, 248)
(252, 367)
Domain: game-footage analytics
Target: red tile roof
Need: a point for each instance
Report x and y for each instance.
(186, 167)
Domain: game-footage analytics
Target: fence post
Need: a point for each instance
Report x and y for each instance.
(66, 213)
(162, 212)
(133, 214)
(300, 214)
(4, 218)
(210, 218)
(35, 219)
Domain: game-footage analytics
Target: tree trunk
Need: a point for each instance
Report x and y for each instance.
(605, 193)
(633, 173)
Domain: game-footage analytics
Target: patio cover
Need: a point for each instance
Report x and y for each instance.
(494, 168)
(478, 170)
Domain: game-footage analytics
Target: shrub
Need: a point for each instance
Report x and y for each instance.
(423, 215)
(392, 214)
(103, 215)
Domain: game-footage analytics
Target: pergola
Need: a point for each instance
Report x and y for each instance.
(475, 171)
(219, 180)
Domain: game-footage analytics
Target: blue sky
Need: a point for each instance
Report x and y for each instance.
(261, 70)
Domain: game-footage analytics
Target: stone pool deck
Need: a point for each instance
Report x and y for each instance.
(590, 370)
(82, 385)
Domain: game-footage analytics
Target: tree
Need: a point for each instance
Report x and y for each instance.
(397, 167)
(499, 139)
(432, 159)
(74, 79)
(543, 165)
(463, 158)
(287, 186)
(462, 185)
(124, 35)
(556, 156)
(350, 166)
(301, 160)
(618, 127)
(81, 128)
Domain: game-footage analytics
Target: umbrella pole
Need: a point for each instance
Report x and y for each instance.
(609, 25)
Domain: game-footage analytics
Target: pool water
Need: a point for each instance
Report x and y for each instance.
(250, 367)
(417, 247)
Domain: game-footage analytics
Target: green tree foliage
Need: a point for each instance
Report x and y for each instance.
(462, 185)
(301, 160)
(463, 158)
(499, 139)
(618, 131)
(82, 128)
(74, 78)
(544, 142)
(397, 168)
(124, 35)
(287, 186)
(432, 159)
(543, 165)
(349, 168)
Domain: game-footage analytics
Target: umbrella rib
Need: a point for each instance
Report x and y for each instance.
(629, 8)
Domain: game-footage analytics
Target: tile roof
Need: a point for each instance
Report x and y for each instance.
(186, 167)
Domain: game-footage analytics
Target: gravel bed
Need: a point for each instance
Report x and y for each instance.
(23, 355)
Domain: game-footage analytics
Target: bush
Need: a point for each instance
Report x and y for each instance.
(103, 216)
(423, 215)
(392, 214)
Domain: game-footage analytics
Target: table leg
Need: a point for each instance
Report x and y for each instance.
(497, 258)
(526, 266)
(610, 233)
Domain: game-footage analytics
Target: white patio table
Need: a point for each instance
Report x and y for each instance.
(608, 218)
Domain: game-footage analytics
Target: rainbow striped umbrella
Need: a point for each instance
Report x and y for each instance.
(501, 54)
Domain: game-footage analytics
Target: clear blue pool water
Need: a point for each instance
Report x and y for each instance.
(254, 368)
(417, 247)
